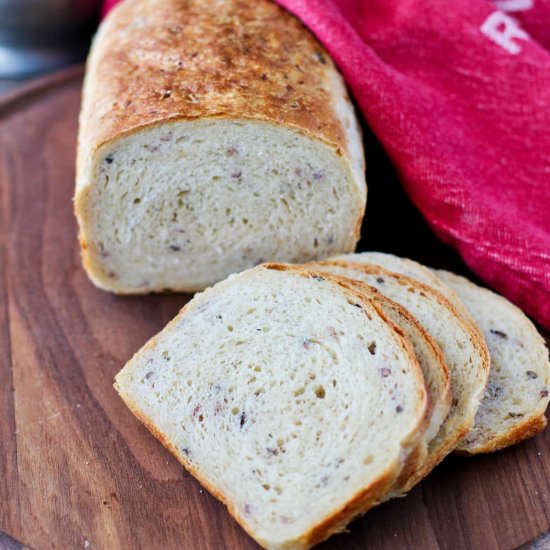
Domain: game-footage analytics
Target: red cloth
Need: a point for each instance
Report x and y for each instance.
(107, 5)
(459, 96)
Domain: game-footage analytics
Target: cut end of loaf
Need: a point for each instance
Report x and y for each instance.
(182, 205)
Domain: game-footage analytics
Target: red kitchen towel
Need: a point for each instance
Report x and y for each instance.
(458, 93)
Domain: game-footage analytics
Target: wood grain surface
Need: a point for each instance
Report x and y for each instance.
(77, 470)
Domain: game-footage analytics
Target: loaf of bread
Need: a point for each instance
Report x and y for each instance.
(288, 394)
(465, 353)
(517, 395)
(214, 135)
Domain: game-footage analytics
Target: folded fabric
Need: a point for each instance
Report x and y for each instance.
(458, 93)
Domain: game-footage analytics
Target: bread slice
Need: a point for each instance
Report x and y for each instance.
(517, 395)
(430, 359)
(465, 353)
(214, 135)
(287, 394)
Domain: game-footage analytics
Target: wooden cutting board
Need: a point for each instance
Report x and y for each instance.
(76, 468)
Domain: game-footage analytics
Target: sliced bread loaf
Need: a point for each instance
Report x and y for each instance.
(288, 395)
(465, 353)
(517, 394)
(214, 135)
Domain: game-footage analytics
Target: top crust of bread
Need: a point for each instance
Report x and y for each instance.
(128, 384)
(160, 60)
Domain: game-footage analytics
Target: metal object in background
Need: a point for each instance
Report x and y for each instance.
(40, 35)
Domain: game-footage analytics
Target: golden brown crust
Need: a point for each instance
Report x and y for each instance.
(515, 435)
(361, 503)
(155, 61)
